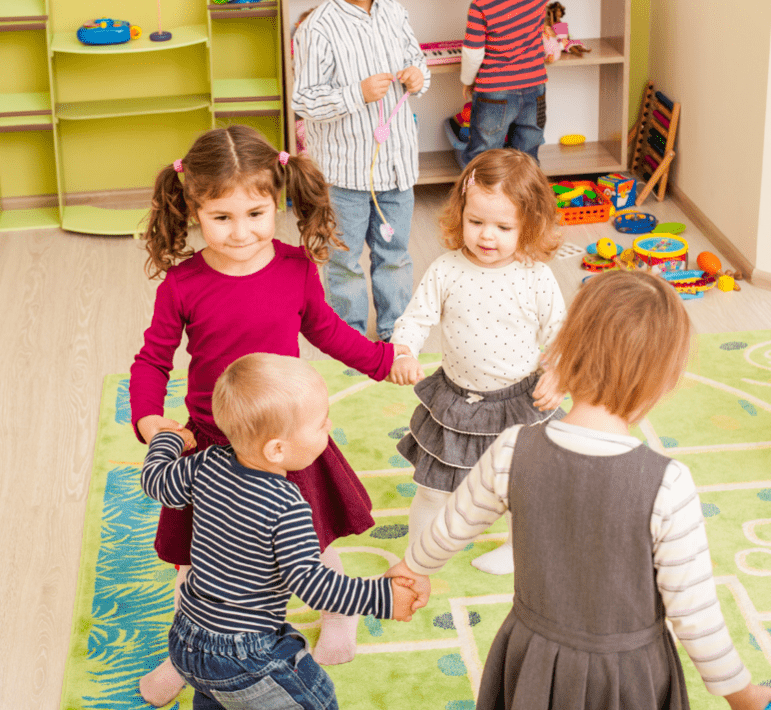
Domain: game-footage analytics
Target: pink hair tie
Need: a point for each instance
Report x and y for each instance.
(283, 157)
(178, 165)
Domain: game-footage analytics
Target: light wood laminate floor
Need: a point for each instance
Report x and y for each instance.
(74, 309)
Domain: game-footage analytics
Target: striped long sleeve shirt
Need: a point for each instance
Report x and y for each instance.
(337, 47)
(253, 543)
(503, 47)
(681, 555)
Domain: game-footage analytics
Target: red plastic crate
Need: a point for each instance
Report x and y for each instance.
(586, 215)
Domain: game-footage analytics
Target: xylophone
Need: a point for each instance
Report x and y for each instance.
(448, 52)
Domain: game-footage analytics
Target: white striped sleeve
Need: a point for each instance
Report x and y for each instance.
(477, 503)
(314, 95)
(684, 578)
(165, 477)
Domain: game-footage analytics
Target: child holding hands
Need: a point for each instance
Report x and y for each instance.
(245, 292)
(498, 304)
(608, 534)
(254, 543)
(353, 60)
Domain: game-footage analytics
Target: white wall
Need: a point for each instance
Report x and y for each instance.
(764, 222)
(714, 60)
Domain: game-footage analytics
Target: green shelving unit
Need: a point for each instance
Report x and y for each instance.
(87, 122)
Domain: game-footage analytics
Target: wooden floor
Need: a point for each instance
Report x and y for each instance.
(74, 309)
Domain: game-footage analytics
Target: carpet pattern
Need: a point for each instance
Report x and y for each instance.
(718, 423)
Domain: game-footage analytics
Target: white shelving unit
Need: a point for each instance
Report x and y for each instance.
(587, 95)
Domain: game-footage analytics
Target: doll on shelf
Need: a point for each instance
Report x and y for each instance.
(555, 33)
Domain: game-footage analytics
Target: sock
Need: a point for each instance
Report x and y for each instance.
(500, 560)
(337, 640)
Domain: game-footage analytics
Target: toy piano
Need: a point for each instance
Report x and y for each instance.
(448, 52)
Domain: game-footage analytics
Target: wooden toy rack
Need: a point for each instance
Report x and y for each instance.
(654, 138)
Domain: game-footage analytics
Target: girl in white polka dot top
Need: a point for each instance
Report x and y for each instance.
(498, 305)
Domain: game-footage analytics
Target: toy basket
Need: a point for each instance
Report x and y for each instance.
(591, 213)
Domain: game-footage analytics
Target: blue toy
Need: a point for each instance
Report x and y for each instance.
(107, 31)
(635, 222)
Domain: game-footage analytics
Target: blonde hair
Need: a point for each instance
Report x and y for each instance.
(624, 343)
(518, 177)
(261, 396)
(220, 161)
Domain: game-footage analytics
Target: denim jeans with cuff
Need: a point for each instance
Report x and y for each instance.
(520, 114)
(390, 262)
(249, 671)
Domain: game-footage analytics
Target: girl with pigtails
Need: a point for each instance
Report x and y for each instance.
(245, 292)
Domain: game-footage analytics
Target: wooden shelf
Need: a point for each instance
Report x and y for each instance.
(68, 42)
(243, 10)
(248, 108)
(85, 110)
(604, 51)
(556, 159)
(15, 10)
(42, 218)
(25, 112)
(230, 90)
(86, 219)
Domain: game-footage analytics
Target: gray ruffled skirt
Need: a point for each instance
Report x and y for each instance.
(452, 427)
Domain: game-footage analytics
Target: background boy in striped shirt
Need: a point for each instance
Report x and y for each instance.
(351, 58)
(504, 76)
(254, 544)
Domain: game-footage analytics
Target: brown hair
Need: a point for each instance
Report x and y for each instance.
(262, 396)
(220, 161)
(624, 343)
(518, 176)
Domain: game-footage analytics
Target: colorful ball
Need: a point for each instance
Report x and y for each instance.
(708, 262)
(606, 248)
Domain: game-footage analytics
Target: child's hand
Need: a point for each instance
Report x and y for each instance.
(376, 86)
(468, 92)
(186, 434)
(751, 697)
(421, 584)
(404, 598)
(546, 394)
(150, 425)
(406, 371)
(412, 78)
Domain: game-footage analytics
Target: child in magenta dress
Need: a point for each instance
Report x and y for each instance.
(245, 292)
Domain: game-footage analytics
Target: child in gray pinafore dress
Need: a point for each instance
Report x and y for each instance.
(609, 536)
(497, 303)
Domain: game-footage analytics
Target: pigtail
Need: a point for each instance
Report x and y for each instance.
(166, 232)
(309, 192)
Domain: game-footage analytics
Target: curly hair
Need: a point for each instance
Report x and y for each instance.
(220, 161)
(517, 176)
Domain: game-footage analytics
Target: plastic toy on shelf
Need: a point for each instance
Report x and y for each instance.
(573, 139)
(108, 31)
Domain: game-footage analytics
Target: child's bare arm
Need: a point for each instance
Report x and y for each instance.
(150, 425)
(751, 697)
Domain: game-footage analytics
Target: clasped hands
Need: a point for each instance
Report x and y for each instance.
(411, 591)
(376, 86)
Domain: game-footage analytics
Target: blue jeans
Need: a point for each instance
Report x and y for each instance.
(390, 262)
(521, 114)
(249, 671)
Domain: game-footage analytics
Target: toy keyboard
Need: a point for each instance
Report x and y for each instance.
(442, 52)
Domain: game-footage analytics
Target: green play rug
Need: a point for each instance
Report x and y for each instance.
(718, 422)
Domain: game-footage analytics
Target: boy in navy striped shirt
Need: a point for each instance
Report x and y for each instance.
(504, 76)
(254, 544)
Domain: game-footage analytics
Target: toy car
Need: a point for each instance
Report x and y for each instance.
(107, 31)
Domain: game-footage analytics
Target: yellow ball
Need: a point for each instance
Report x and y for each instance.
(606, 248)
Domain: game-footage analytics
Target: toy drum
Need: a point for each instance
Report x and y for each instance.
(668, 252)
